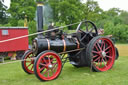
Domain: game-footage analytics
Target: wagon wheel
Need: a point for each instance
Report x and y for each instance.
(88, 30)
(28, 62)
(47, 66)
(101, 54)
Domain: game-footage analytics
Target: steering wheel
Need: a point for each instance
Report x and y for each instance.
(87, 28)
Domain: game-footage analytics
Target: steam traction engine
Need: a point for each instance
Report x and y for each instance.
(83, 48)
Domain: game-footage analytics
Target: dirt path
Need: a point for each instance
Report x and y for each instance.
(123, 49)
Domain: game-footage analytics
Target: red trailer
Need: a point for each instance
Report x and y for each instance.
(14, 48)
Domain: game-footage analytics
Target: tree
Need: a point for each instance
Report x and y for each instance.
(92, 11)
(116, 24)
(3, 15)
(124, 17)
(20, 8)
(67, 11)
(113, 12)
(121, 32)
(64, 12)
(32, 29)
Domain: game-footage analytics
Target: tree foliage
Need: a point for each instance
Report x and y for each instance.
(64, 12)
(3, 15)
(20, 8)
(67, 11)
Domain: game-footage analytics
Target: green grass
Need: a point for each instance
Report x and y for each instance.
(12, 74)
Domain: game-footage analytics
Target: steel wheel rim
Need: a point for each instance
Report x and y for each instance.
(44, 71)
(103, 54)
(29, 62)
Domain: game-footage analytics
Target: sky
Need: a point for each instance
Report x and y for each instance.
(104, 4)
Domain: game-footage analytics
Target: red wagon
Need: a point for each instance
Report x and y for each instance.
(14, 48)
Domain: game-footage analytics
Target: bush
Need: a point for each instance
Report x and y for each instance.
(32, 29)
(21, 23)
(119, 31)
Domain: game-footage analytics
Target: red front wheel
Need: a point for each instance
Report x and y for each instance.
(47, 66)
(101, 53)
(28, 62)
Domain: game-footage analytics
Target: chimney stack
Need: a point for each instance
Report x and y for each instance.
(39, 17)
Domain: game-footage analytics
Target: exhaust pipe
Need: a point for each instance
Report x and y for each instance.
(39, 18)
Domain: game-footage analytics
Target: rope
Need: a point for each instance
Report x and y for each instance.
(15, 61)
(37, 34)
(35, 57)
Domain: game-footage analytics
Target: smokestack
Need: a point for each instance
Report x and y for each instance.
(39, 17)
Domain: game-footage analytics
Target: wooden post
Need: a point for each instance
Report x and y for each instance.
(1, 59)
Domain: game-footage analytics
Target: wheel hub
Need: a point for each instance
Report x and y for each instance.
(50, 66)
(103, 54)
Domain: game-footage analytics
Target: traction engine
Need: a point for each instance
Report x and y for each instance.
(83, 48)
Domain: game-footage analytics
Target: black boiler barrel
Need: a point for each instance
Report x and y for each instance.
(57, 45)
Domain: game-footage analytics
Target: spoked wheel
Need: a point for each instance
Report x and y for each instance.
(88, 30)
(28, 62)
(47, 66)
(101, 54)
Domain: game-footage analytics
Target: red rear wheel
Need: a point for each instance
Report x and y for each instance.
(102, 53)
(47, 66)
(28, 62)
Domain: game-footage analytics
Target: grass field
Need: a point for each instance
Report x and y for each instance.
(12, 74)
